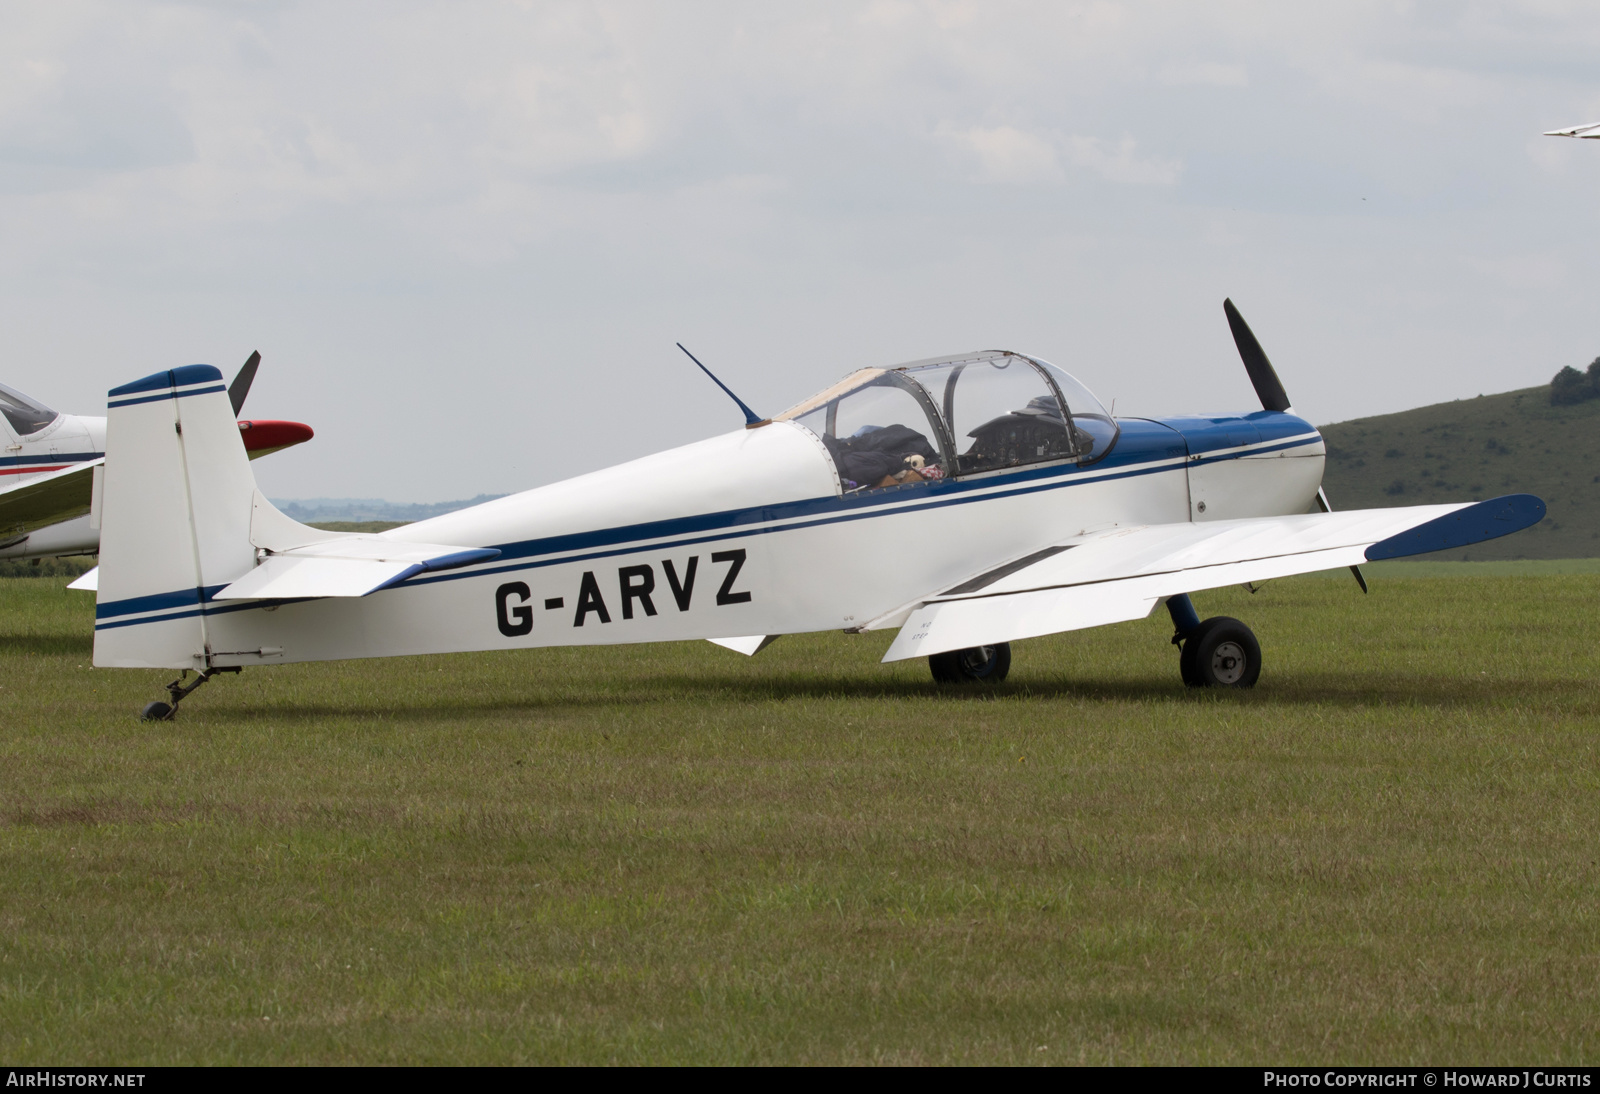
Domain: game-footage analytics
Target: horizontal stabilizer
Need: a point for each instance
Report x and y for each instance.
(348, 566)
(88, 581)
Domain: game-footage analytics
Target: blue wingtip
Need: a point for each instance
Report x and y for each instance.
(1476, 523)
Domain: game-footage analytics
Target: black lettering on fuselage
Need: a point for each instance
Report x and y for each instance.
(681, 593)
(590, 600)
(514, 621)
(640, 590)
(726, 595)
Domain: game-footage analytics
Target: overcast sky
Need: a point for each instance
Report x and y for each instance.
(465, 237)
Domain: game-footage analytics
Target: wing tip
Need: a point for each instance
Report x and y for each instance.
(1476, 523)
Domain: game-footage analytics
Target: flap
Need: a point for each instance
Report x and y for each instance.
(355, 565)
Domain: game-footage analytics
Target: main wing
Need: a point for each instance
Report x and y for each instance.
(49, 499)
(1122, 573)
(1590, 131)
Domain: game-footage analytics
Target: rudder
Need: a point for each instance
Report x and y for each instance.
(175, 525)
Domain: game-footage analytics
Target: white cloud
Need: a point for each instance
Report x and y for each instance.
(1204, 74)
(1122, 163)
(1007, 154)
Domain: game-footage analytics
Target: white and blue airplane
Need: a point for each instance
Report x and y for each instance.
(966, 501)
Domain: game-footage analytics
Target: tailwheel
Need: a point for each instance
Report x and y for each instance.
(177, 691)
(978, 665)
(1220, 653)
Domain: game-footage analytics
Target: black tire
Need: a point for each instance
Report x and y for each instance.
(1221, 653)
(156, 712)
(979, 665)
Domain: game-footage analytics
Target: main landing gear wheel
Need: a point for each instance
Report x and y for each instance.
(1220, 653)
(979, 665)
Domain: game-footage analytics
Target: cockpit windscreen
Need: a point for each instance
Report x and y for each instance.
(25, 415)
(954, 416)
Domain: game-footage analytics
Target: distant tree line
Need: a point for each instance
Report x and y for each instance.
(1571, 386)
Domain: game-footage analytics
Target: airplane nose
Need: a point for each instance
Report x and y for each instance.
(262, 437)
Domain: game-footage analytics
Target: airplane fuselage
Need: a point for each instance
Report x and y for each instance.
(70, 439)
(747, 533)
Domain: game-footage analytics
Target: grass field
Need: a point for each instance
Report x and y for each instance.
(1386, 853)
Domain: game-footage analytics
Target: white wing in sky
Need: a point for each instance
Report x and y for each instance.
(1590, 132)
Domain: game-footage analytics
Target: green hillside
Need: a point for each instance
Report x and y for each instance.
(1479, 448)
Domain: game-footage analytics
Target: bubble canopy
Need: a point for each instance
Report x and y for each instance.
(25, 415)
(978, 413)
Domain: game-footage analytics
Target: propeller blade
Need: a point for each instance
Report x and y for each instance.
(241, 383)
(1268, 387)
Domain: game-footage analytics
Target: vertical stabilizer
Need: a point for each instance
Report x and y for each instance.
(175, 526)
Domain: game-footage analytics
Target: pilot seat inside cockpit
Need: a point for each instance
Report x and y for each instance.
(954, 416)
(878, 456)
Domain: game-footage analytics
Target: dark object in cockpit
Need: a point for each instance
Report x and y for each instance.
(1036, 433)
(871, 455)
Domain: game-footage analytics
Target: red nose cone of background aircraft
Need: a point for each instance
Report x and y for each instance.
(262, 437)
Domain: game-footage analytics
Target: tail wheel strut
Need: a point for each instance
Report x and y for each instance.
(178, 691)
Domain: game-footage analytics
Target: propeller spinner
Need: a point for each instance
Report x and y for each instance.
(262, 437)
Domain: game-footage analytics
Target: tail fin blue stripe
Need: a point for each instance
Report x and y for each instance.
(169, 394)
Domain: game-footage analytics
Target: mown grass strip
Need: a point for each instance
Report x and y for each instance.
(1386, 853)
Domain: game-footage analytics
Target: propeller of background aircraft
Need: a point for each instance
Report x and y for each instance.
(262, 437)
(241, 383)
(1269, 389)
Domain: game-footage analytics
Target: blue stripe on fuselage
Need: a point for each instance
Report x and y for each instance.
(50, 459)
(1204, 433)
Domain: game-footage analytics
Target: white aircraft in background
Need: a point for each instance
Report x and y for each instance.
(51, 460)
(1586, 132)
(967, 501)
